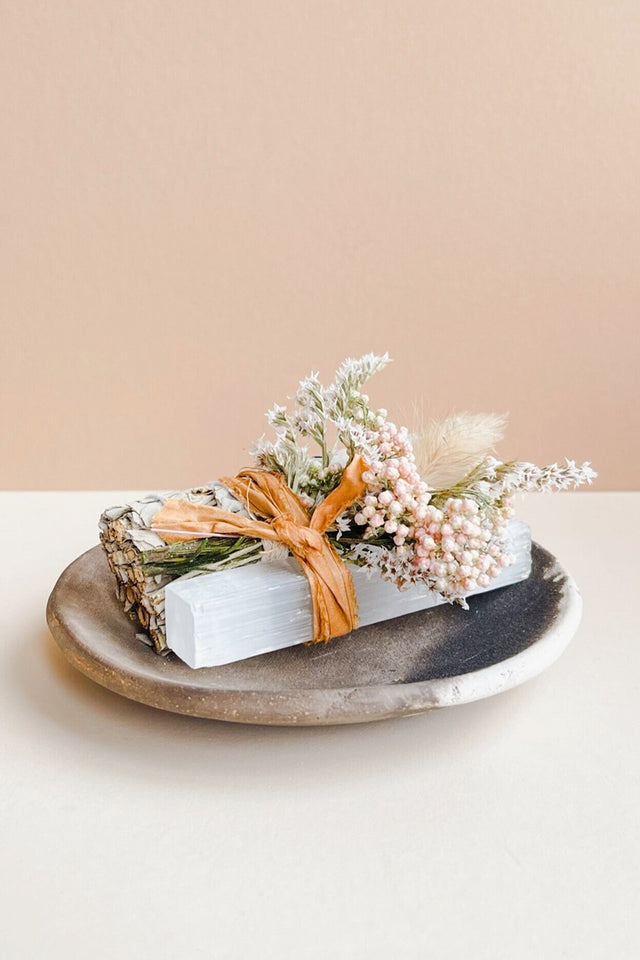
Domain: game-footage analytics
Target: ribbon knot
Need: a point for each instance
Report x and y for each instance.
(296, 537)
(281, 516)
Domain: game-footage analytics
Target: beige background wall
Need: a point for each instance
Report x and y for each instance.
(202, 201)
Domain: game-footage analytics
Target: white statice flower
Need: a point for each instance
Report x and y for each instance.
(356, 438)
(353, 374)
(339, 460)
(310, 392)
(283, 456)
(309, 422)
(343, 524)
(501, 479)
(344, 398)
(341, 406)
(366, 555)
(277, 416)
(259, 447)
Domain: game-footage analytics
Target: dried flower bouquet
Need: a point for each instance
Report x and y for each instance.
(433, 508)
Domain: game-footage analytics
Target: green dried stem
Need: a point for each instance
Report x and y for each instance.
(207, 554)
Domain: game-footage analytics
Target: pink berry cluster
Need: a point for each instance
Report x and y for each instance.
(459, 547)
(397, 495)
(456, 546)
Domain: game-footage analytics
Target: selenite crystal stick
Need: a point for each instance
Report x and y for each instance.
(218, 618)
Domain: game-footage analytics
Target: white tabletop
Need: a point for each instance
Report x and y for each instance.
(506, 828)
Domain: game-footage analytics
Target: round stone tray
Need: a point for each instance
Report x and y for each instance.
(435, 658)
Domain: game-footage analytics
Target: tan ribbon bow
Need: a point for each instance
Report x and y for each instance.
(287, 521)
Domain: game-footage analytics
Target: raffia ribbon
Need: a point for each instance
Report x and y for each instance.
(285, 520)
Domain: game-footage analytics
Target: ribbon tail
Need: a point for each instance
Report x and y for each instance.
(179, 520)
(333, 596)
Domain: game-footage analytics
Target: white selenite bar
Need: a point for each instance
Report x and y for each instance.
(221, 617)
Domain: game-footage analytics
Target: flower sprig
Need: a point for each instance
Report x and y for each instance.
(336, 419)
